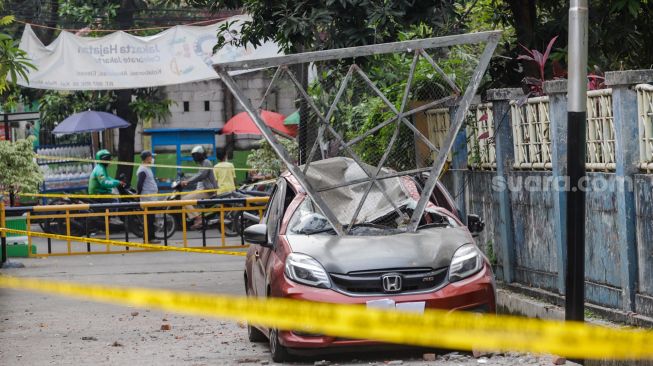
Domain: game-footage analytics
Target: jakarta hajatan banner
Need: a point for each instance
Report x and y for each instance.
(120, 60)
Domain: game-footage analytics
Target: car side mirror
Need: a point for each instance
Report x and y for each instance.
(257, 234)
(475, 224)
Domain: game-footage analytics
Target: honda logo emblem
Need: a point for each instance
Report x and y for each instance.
(391, 282)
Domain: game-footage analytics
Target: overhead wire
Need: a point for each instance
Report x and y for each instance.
(116, 30)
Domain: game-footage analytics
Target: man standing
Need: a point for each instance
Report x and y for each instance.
(205, 180)
(225, 173)
(147, 185)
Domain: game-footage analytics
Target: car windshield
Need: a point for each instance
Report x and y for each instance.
(307, 220)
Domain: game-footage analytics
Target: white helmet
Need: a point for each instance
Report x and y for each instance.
(198, 154)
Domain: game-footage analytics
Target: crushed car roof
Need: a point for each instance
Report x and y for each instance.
(344, 200)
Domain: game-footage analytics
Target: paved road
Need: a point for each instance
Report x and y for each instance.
(38, 329)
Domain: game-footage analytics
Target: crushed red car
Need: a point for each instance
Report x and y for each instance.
(296, 254)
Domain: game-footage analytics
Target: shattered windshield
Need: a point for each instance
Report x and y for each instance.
(307, 220)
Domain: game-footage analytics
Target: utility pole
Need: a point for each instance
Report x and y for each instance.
(576, 151)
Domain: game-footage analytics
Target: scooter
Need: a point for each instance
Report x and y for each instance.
(234, 221)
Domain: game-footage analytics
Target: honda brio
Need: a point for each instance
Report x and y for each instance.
(295, 253)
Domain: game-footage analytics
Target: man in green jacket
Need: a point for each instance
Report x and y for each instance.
(100, 182)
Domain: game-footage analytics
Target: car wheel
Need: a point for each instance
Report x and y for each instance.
(254, 335)
(279, 352)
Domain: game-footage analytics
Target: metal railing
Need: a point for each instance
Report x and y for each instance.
(531, 125)
(481, 151)
(645, 117)
(531, 133)
(600, 131)
(67, 217)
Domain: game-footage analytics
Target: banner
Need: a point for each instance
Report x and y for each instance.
(120, 60)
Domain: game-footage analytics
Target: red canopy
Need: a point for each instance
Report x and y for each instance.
(243, 124)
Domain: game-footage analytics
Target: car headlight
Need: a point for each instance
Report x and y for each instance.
(466, 261)
(306, 270)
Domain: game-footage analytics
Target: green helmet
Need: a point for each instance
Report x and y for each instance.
(103, 155)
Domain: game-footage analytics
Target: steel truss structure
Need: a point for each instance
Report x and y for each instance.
(400, 115)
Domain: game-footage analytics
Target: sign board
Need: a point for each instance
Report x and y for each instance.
(120, 60)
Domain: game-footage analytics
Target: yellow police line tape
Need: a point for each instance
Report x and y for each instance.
(83, 239)
(116, 162)
(434, 328)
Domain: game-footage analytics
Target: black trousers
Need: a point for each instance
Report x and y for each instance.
(150, 227)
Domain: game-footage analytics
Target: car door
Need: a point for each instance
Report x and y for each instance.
(272, 219)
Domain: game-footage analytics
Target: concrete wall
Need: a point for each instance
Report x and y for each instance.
(254, 84)
(534, 237)
(483, 201)
(644, 205)
(531, 248)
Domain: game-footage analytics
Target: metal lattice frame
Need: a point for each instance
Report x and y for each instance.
(417, 48)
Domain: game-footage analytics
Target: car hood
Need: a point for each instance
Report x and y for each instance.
(432, 248)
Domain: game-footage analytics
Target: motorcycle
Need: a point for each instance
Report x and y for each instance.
(86, 226)
(234, 221)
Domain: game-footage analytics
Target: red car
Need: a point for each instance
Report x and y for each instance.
(296, 254)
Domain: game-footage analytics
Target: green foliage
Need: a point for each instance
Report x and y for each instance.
(18, 169)
(14, 62)
(619, 34)
(491, 255)
(150, 103)
(265, 161)
(319, 24)
(57, 106)
(88, 13)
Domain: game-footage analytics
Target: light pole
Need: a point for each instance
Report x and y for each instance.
(576, 151)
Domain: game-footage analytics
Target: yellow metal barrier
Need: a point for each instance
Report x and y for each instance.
(108, 242)
(61, 217)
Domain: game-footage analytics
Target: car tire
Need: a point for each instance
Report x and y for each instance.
(279, 352)
(254, 335)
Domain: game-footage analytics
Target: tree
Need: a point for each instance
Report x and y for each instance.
(265, 161)
(309, 25)
(317, 24)
(618, 35)
(13, 60)
(18, 169)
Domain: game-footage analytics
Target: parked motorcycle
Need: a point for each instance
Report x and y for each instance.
(84, 226)
(234, 221)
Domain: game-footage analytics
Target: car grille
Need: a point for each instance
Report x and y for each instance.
(371, 282)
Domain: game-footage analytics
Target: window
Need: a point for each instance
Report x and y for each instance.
(207, 106)
(274, 211)
(186, 107)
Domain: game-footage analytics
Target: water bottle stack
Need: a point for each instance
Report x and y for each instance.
(61, 173)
